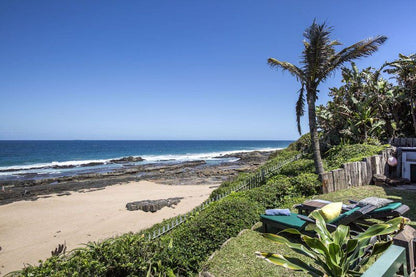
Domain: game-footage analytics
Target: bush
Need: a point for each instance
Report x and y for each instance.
(306, 184)
(279, 156)
(194, 241)
(129, 254)
(297, 167)
(341, 154)
(270, 195)
(303, 144)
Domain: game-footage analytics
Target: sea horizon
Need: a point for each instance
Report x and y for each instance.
(38, 159)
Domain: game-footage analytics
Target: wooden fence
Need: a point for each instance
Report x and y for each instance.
(246, 184)
(356, 174)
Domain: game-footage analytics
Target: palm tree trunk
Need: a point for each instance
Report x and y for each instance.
(314, 134)
(412, 109)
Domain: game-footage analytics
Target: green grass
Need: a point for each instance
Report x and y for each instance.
(237, 257)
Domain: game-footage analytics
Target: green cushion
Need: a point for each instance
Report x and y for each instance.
(348, 213)
(291, 221)
(388, 207)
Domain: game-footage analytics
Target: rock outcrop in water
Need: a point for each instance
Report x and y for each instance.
(129, 159)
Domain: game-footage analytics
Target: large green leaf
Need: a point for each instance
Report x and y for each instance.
(321, 225)
(331, 258)
(380, 247)
(281, 261)
(335, 252)
(290, 263)
(300, 248)
(351, 245)
(290, 231)
(340, 234)
(383, 228)
(316, 245)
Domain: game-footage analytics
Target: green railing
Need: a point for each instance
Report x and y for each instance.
(389, 263)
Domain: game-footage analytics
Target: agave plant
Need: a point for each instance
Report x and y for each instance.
(337, 253)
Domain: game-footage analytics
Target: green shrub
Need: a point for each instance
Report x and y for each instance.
(298, 167)
(270, 195)
(340, 154)
(305, 184)
(195, 241)
(129, 254)
(279, 156)
(303, 144)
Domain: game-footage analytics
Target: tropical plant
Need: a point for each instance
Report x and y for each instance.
(319, 60)
(405, 70)
(365, 108)
(334, 254)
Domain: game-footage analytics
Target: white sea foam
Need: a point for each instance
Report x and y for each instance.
(210, 156)
(49, 167)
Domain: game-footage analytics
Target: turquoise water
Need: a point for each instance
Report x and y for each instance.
(22, 158)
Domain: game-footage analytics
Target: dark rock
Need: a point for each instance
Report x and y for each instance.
(129, 159)
(92, 164)
(153, 205)
(62, 166)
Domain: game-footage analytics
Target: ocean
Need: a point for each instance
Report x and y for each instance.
(43, 159)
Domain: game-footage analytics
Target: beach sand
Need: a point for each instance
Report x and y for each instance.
(30, 230)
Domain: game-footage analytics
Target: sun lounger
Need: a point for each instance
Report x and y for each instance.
(299, 222)
(386, 212)
(391, 210)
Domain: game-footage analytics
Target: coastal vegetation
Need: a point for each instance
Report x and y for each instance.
(368, 108)
(184, 250)
(319, 61)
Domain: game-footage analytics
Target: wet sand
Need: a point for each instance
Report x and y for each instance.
(30, 230)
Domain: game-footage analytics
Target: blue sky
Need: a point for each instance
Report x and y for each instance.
(171, 69)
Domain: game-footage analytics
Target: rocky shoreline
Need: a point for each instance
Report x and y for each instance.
(186, 173)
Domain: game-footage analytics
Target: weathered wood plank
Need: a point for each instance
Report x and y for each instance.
(339, 179)
(369, 172)
(327, 182)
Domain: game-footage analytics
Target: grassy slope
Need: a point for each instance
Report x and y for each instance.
(237, 257)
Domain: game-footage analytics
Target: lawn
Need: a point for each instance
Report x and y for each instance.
(237, 257)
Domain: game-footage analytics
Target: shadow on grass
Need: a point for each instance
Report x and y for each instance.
(407, 197)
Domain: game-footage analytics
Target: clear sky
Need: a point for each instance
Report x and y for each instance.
(171, 69)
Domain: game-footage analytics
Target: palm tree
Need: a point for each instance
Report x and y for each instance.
(319, 60)
(405, 70)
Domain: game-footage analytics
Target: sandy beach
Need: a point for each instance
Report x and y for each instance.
(29, 230)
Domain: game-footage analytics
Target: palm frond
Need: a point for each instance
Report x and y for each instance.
(300, 108)
(293, 69)
(318, 49)
(360, 49)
